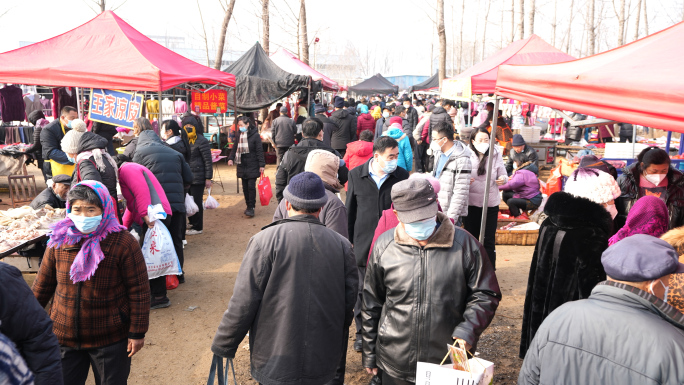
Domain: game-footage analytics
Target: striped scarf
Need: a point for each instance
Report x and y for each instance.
(243, 147)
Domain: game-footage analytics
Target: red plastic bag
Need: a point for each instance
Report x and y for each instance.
(171, 282)
(555, 182)
(265, 192)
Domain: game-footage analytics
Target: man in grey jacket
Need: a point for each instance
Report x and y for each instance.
(427, 283)
(452, 167)
(294, 293)
(624, 333)
(283, 131)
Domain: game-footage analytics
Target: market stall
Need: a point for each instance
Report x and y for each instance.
(289, 62)
(375, 85)
(429, 85)
(23, 226)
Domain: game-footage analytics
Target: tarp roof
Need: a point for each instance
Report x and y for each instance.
(376, 84)
(639, 83)
(289, 62)
(533, 50)
(260, 81)
(431, 83)
(106, 53)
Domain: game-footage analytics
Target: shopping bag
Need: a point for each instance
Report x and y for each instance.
(265, 192)
(217, 371)
(555, 182)
(160, 255)
(482, 373)
(210, 203)
(172, 282)
(190, 206)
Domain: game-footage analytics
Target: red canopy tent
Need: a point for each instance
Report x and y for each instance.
(533, 50)
(639, 83)
(289, 62)
(106, 53)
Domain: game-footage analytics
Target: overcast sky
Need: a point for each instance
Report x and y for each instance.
(400, 30)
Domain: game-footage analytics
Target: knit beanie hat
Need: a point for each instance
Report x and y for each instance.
(518, 140)
(78, 125)
(70, 141)
(319, 108)
(306, 191)
(339, 102)
(325, 164)
(396, 119)
(592, 184)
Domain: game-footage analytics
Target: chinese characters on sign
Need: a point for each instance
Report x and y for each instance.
(119, 108)
(210, 102)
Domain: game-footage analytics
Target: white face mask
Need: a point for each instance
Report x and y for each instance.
(434, 146)
(612, 210)
(667, 289)
(655, 178)
(481, 147)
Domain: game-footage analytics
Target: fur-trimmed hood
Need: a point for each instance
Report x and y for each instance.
(568, 211)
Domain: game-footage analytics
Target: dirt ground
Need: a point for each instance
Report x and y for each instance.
(177, 346)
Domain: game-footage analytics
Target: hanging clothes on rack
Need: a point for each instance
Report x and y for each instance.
(47, 106)
(12, 104)
(32, 103)
(62, 97)
(152, 109)
(167, 109)
(180, 106)
(16, 134)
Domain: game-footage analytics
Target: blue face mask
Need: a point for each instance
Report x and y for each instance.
(85, 225)
(72, 160)
(421, 230)
(243, 129)
(69, 123)
(390, 166)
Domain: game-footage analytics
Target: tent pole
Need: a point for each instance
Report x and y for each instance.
(669, 138)
(490, 161)
(634, 142)
(159, 116)
(237, 180)
(78, 103)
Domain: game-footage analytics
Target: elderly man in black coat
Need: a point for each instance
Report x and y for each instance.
(54, 196)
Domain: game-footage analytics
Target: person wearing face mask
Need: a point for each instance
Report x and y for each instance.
(601, 339)
(96, 273)
(421, 135)
(523, 154)
(368, 195)
(566, 264)
(452, 167)
(432, 280)
(405, 159)
(50, 138)
(248, 154)
(521, 193)
(380, 123)
(648, 216)
(55, 195)
(479, 159)
(651, 175)
(411, 113)
(202, 170)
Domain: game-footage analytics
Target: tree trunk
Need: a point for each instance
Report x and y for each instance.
(638, 17)
(477, 24)
(206, 41)
(484, 34)
(512, 21)
(501, 24)
(554, 24)
(103, 5)
(521, 20)
(645, 18)
(222, 37)
(453, 39)
(304, 34)
(620, 13)
(567, 43)
(442, 41)
(460, 39)
(530, 16)
(264, 20)
(591, 31)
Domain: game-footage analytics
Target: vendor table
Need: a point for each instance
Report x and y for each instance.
(9, 165)
(15, 249)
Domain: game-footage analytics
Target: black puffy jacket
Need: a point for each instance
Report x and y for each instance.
(26, 323)
(51, 140)
(328, 128)
(47, 197)
(87, 168)
(129, 151)
(528, 154)
(181, 147)
(346, 129)
(416, 300)
(252, 161)
(169, 166)
(107, 131)
(200, 160)
(629, 186)
(439, 114)
(626, 130)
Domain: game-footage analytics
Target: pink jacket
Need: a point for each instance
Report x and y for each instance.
(134, 188)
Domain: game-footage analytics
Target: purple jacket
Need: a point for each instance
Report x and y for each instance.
(523, 183)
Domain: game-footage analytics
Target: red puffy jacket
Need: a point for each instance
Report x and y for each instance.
(364, 122)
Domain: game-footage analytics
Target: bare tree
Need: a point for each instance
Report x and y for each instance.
(222, 37)
(102, 5)
(442, 41)
(453, 39)
(645, 17)
(555, 22)
(530, 16)
(266, 27)
(521, 19)
(477, 24)
(572, 15)
(460, 39)
(204, 34)
(484, 34)
(304, 34)
(620, 13)
(513, 21)
(591, 27)
(638, 17)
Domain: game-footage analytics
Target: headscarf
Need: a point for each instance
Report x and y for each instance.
(192, 135)
(326, 165)
(648, 216)
(90, 255)
(377, 113)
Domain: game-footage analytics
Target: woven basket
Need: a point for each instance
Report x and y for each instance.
(515, 237)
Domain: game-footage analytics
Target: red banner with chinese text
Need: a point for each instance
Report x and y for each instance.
(212, 101)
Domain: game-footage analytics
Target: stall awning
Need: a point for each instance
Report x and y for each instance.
(106, 53)
(638, 83)
(376, 84)
(289, 62)
(431, 84)
(533, 50)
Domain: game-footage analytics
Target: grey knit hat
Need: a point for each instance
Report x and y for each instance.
(306, 191)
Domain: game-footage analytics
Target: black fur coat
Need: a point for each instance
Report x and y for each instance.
(577, 230)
